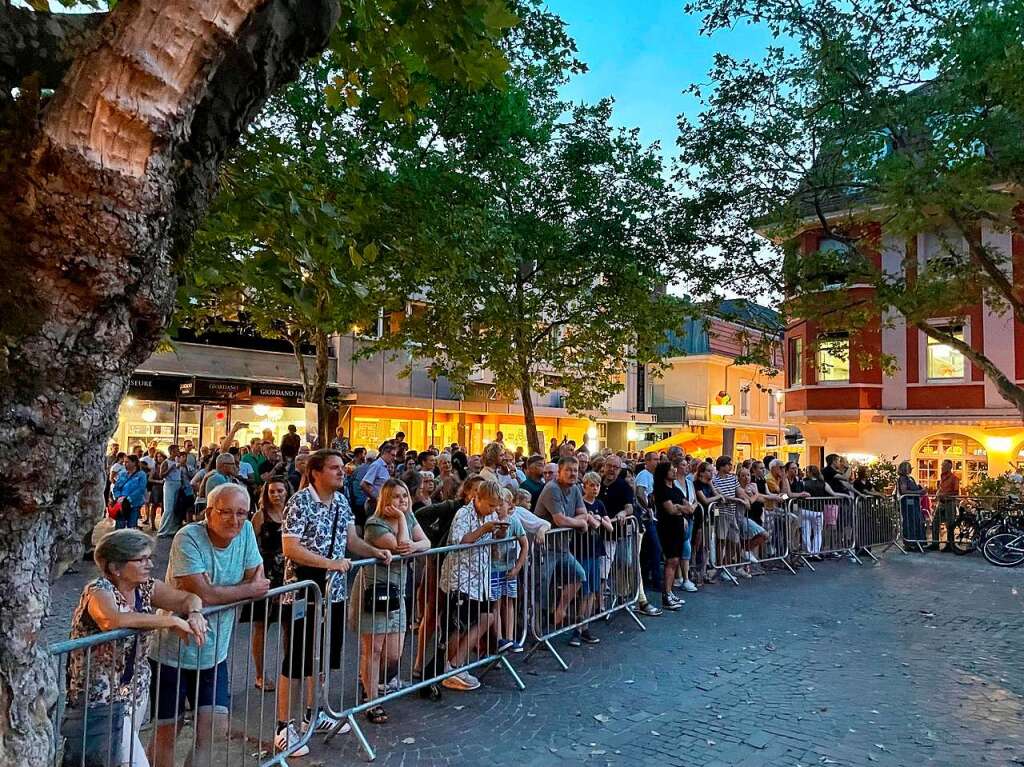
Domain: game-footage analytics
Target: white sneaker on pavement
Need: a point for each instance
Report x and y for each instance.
(287, 738)
(689, 585)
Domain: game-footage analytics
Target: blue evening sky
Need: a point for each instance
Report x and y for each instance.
(644, 53)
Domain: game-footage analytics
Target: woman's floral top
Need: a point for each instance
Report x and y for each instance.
(102, 667)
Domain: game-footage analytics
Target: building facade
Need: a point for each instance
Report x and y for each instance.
(935, 404)
(203, 386)
(710, 401)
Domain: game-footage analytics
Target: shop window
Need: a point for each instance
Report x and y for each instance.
(832, 358)
(771, 404)
(796, 361)
(945, 362)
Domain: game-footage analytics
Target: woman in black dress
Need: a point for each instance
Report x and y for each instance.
(670, 505)
(266, 524)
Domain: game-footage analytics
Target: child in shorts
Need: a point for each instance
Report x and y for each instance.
(507, 561)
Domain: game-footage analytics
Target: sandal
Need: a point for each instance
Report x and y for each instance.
(262, 684)
(377, 715)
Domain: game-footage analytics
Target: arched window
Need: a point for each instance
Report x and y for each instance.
(970, 460)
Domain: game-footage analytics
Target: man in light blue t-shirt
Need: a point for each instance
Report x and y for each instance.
(217, 560)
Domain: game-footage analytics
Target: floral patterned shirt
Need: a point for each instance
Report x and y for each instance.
(312, 521)
(105, 664)
(468, 570)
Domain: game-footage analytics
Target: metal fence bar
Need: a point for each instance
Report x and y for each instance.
(570, 580)
(450, 633)
(101, 720)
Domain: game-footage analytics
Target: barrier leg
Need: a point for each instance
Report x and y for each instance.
(871, 554)
(515, 676)
(807, 563)
(632, 614)
(551, 648)
(370, 754)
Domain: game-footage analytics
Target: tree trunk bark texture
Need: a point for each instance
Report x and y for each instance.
(100, 194)
(530, 418)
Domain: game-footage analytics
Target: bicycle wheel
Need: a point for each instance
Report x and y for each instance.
(965, 537)
(1004, 549)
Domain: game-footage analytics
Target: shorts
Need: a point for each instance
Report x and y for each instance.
(749, 529)
(608, 558)
(726, 527)
(565, 564)
(209, 688)
(464, 612)
(592, 581)
(503, 586)
(299, 664)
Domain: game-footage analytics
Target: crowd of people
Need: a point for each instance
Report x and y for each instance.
(246, 519)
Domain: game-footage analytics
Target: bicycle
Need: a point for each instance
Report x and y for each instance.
(1005, 549)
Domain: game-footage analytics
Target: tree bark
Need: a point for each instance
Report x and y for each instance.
(530, 417)
(99, 197)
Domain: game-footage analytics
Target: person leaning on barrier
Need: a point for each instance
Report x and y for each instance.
(108, 688)
(650, 545)
(465, 579)
(506, 564)
(910, 494)
(561, 504)
(436, 521)
(377, 612)
(219, 561)
(318, 534)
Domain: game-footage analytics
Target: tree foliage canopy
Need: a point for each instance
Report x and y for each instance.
(865, 117)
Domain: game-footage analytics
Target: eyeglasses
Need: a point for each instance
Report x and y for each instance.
(242, 513)
(141, 559)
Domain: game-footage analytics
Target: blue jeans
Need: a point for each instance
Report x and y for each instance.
(688, 541)
(93, 735)
(913, 524)
(129, 516)
(169, 522)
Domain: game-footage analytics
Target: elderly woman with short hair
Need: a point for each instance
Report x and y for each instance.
(108, 685)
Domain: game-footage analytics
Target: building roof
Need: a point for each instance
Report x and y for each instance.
(696, 338)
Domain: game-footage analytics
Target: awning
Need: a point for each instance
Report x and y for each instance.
(687, 440)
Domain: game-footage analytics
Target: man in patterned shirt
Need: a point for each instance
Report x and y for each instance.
(317, 535)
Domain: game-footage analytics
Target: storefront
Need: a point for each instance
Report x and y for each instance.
(370, 426)
(171, 409)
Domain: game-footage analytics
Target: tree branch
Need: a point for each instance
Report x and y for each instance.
(1007, 388)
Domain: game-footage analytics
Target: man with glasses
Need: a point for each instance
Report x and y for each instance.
(219, 561)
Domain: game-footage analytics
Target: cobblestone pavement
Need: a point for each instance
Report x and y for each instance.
(918, 660)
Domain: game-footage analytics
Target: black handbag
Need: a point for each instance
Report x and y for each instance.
(381, 598)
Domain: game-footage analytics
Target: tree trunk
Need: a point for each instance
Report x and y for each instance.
(99, 196)
(530, 417)
(319, 389)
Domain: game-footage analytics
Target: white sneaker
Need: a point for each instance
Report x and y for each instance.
(394, 685)
(287, 738)
(325, 723)
(689, 585)
(748, 556)
(743, 572)
(464, 682)
(678, 583)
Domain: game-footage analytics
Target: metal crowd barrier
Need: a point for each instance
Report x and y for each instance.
(577, 578)
(823, 527)
(416, 622)
(878, 524)
(239, 725)
(943, 513)
(730, 535)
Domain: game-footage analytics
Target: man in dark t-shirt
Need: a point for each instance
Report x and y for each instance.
(616, 494)
(534, 481)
